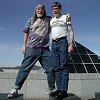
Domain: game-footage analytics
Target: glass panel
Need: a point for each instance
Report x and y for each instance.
(80, 68)
(86, 59)
(69, 59)
(75, 50)
(98, 67)
(95, 58)
(78, 45)
(76, 58)
(90, 68)
(82, 50)
(90, 52)
(71, 68)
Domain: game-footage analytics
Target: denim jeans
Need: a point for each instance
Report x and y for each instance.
(59, 56)
(30, 58)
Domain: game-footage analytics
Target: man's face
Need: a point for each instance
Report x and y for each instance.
(40, 11)
(56, 11)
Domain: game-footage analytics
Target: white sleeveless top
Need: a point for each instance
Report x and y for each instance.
(58, 27)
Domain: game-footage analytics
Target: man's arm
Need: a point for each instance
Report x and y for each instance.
(25, 42)
(70, 29)
(26, 34)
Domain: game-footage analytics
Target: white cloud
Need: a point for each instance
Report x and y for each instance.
(10, 54)
(14, 48)
(3, 48)
(2, 29)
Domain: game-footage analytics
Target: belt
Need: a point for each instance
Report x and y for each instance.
(58, 39)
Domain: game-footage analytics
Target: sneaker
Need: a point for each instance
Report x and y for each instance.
(62, 94)
(50, 90)
(54, 93)
(13, 93)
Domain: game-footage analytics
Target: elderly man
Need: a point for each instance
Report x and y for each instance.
(35, 47)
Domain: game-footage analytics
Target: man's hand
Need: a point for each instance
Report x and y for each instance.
(70, 48)
(68, 17)
(24, 43)
(23, 49)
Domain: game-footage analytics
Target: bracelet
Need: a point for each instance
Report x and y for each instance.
(71, 42)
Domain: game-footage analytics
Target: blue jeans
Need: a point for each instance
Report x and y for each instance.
(30, 58)
(59, 56)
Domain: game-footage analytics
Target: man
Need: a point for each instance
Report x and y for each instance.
(35, 47)
(60, 49)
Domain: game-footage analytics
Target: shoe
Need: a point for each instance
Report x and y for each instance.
(13, 93)
(54, 93)
(64, 94)
(50, 90)
(61, 95)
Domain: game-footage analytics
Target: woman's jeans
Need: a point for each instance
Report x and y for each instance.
(60, 54)
(30, 58)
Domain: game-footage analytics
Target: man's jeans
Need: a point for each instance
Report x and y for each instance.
(60, 55)
(30, 58)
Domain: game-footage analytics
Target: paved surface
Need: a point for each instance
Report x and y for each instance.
(70, 97)
(3, 96)
(36, 84)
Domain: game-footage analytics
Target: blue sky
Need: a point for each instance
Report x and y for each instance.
(14, 14)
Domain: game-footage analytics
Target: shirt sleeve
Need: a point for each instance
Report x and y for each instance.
(27, 26)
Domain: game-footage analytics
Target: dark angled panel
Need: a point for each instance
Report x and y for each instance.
(71, 68)
(86, 59)
(82, 50)
(76, 58)
(90, 52)
(97, 67)
(78, 44)
(90, 68)
(95, 58)
(82, 60)
(69, 59)
(75, 50)
(80, 68)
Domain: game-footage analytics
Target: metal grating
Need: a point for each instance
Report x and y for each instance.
(82, 60)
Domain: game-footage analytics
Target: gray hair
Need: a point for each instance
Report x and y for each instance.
(34, 17)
